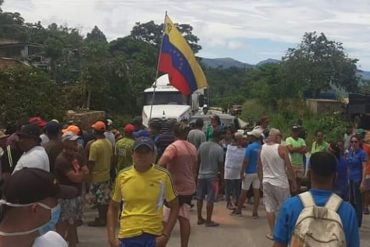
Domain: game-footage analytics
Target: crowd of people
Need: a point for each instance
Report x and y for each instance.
(146, 179)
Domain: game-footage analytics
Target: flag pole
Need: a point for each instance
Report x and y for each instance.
(157, 71)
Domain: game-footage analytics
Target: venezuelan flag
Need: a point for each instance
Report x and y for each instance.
(178, 61)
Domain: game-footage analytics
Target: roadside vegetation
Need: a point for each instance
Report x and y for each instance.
(90, 72)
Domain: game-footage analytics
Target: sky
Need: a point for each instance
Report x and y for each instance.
(249, 30)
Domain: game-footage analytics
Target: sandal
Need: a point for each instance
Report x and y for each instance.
(211, 224)
(269, 236)
(201, 221)
(235, 212)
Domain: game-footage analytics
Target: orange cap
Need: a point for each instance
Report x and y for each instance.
(99, 126)
(72, 128)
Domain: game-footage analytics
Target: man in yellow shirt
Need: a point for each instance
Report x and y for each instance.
(100, 159)
(142, 188)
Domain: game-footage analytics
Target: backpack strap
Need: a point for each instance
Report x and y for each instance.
(334, 202)
(9, 153)
(307, 199)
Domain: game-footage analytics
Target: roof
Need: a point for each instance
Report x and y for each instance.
(163, 85)
(7, 62)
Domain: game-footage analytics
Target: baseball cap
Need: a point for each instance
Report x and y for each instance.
(29, 131)
(129, 128)
(72, 128)
(69, 136)
(99, 126)
(296, 127)
(37, 121)
(255, 132)
(52, 127)
(144, 141)
(33, 185)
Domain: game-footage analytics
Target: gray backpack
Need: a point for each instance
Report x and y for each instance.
(318, 226)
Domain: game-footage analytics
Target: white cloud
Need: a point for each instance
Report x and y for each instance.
(219, 24)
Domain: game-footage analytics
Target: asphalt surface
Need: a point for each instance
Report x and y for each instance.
(234, 231)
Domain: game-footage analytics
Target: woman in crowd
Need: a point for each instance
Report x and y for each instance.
(319, 145)
(356, 160)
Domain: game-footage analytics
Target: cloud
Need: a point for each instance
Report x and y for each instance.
(221, 25)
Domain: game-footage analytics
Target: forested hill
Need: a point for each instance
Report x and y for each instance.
(226, 63)
(88, 71)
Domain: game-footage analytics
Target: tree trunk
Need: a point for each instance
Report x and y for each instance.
(88, 99)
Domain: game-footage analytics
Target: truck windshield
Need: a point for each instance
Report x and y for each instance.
(165, 98)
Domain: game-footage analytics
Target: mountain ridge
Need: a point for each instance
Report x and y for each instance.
(227, 62)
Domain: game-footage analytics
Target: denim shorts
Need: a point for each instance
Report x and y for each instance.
(144, 240)
(209, 187)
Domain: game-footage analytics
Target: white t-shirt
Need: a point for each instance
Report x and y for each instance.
(36, 157)
(44, 139)
(49, 239)
(233, 162)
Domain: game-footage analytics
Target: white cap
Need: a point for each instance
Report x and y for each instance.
(256, 133)
(69, 136)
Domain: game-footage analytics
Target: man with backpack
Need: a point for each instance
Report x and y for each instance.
(317, 217)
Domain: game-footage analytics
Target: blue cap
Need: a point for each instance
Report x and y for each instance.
(144, 141)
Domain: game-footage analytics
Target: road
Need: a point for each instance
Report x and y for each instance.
(234, 231)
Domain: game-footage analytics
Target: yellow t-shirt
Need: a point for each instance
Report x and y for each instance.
(143, 195)
(101, 152)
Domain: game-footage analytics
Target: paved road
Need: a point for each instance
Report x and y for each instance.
(234, 231)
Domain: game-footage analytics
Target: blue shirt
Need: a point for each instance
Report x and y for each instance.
(251, 154)
(342, 178)
(288, 215)
(354, 162)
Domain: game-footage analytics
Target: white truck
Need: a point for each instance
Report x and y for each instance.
(169, 103)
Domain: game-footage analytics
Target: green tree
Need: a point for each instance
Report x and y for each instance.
(26, 92)
(95, 62)
(152, 33)
(318, 64)
(132, 70)
(12, 26)
(96, 35)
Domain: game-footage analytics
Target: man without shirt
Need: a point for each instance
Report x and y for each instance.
(143, 188)
(322, 174)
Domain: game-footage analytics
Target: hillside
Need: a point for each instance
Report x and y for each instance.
(224, 63)
(365, 75)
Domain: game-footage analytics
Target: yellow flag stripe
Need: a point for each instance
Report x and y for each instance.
(177, 40)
